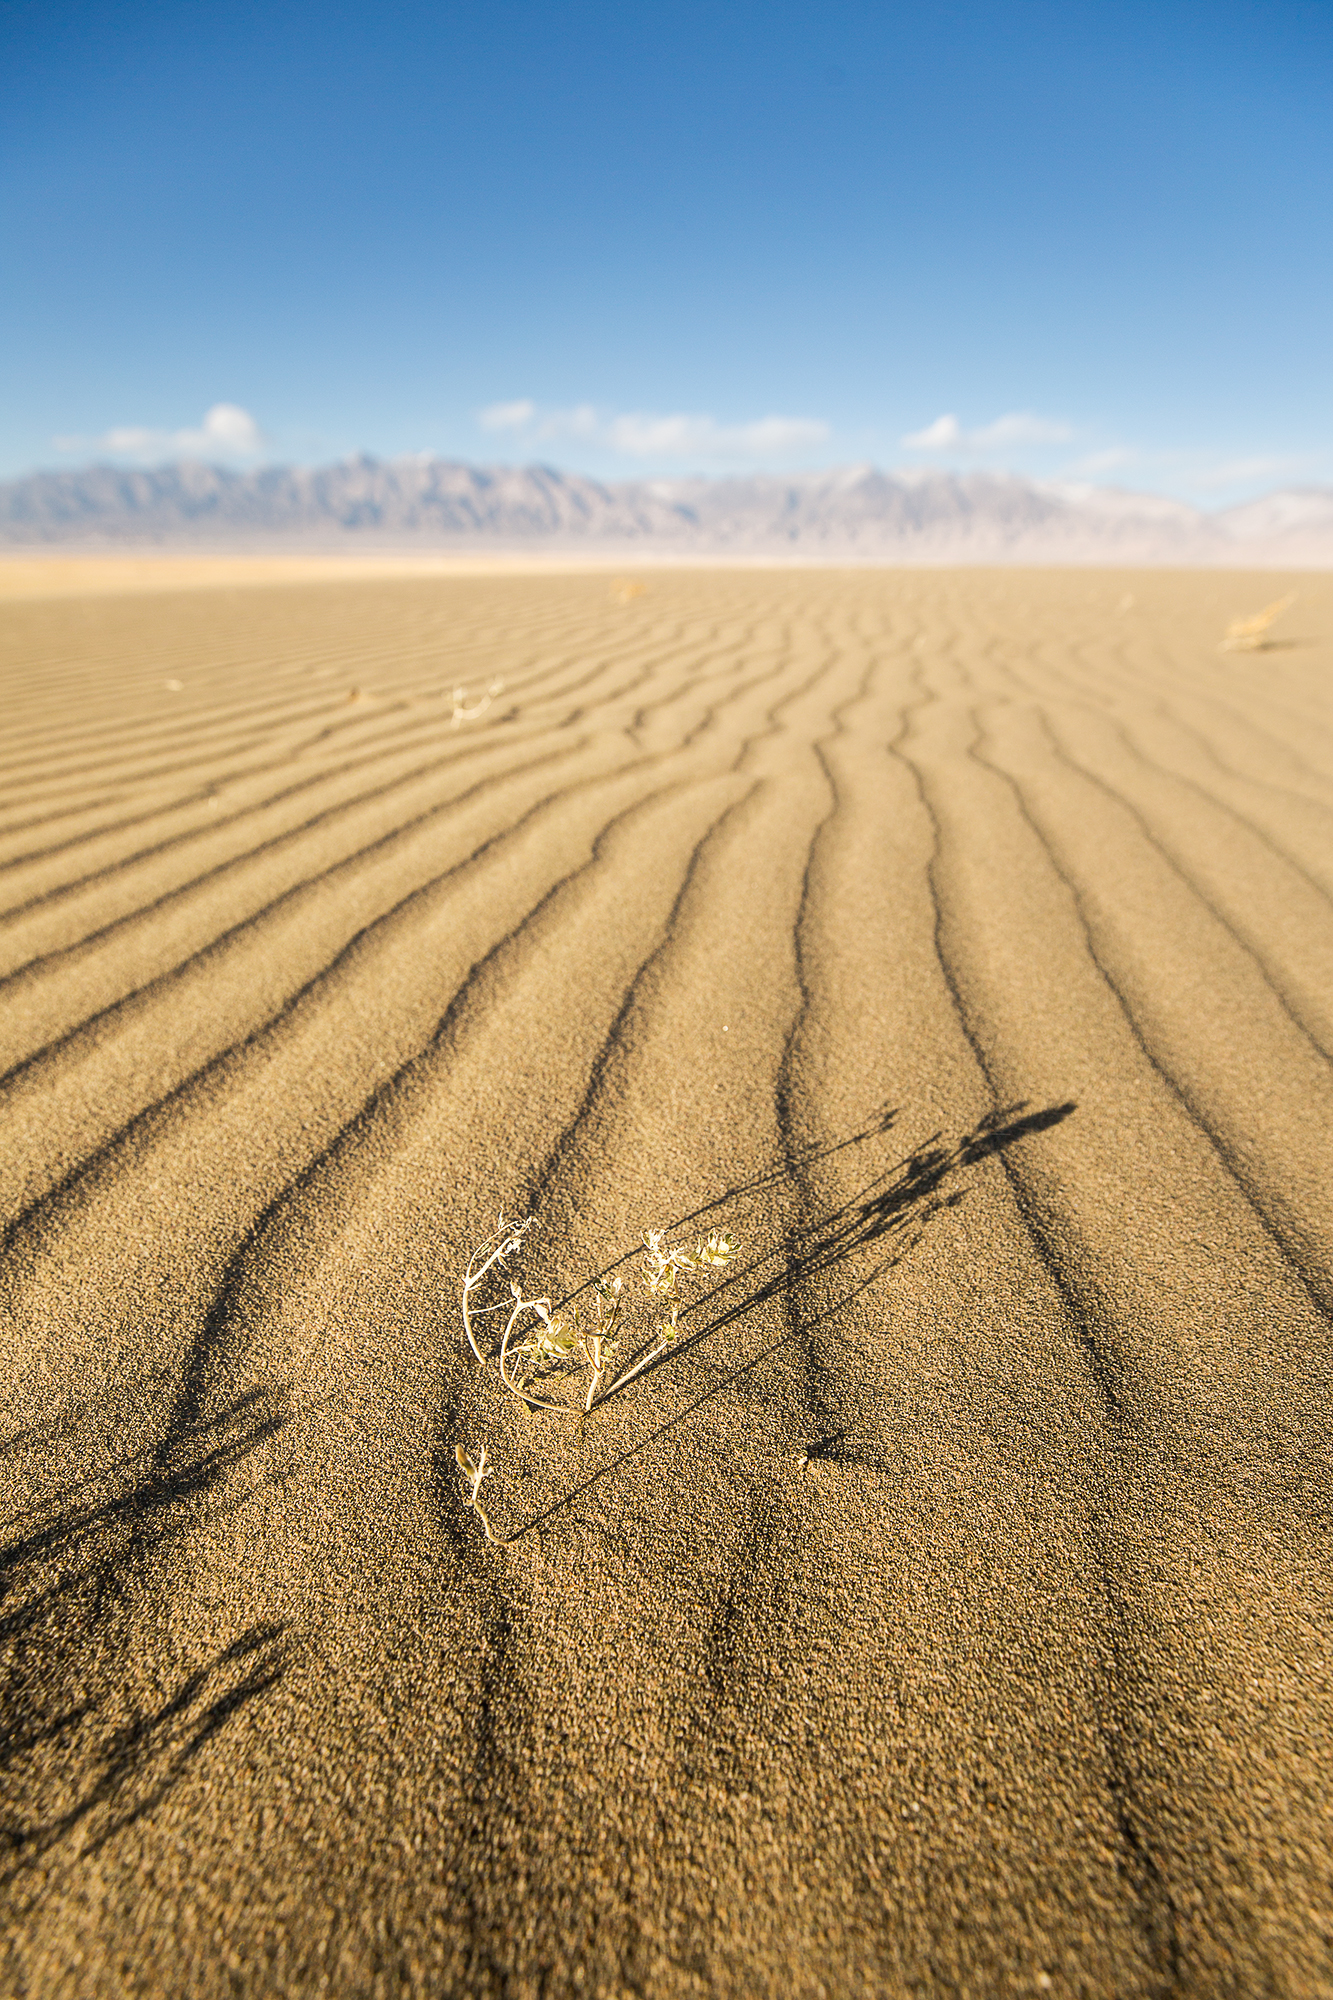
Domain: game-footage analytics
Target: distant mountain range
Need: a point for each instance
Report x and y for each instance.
(854, 514)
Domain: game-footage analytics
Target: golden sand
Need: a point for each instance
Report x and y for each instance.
(29, 576)
(949, 1613)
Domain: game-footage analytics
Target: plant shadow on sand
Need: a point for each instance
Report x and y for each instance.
(83, 1751)
(888, 1215)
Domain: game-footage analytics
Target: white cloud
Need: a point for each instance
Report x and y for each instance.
(227, 431)
(1191, 471)
(507, 416)
(939, 436)
(681, 436)
(1017, 427)
(1021, 427)
(1241, 471)
(581, 421)
(643, 434)
(1110, 460)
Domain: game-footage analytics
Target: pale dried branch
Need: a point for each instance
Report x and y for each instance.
(1250, 635)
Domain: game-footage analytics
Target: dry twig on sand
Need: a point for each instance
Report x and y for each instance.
(1250, 635)
(562, 1342)
(462, 713)
(474, 1472)
(504, 1240)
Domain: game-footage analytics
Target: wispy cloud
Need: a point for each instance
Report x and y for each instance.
(507, 416)
(227, 431)
(1243, 471)
(1190, 471)
(1017, 427)
(644, 434)
(1112, 459)
(580, 422)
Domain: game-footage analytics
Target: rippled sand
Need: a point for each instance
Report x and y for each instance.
(949, 1613)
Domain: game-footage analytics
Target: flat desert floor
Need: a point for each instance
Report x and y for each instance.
(947, 1611)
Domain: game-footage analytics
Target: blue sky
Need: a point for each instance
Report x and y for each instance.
(1073, 240)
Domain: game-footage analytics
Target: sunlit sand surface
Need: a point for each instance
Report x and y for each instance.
(950, 1612)
(24, 576)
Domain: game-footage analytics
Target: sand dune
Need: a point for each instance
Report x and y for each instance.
(949, 1613)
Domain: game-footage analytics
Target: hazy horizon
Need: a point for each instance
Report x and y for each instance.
(855, 512)
(904, 473)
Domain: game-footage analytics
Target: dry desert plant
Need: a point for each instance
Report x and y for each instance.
(560, 1343)
(1250, 635)
(474, 1472)
(538, 1341)
(462, 713)
(502, 1243)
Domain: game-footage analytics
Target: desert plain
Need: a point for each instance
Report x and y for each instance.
(947, 1612)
